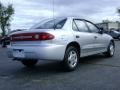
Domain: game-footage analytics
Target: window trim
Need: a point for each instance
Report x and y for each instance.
(73, 22)
(93, 25)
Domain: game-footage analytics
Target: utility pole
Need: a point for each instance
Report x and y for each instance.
(118, 11)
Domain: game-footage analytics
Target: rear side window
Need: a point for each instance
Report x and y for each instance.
(79, 25)
(52, 24)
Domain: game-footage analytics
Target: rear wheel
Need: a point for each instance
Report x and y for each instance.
(71, 58)
(110, 50)
(29, 63)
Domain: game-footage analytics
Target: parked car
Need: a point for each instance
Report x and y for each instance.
(60, 39)
(0, 37)
(115, 34)
(5, 40)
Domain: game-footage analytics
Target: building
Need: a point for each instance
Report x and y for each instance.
(107, 25)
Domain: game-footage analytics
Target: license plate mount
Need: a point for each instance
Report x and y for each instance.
(18, 53)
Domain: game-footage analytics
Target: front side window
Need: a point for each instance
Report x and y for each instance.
(79, 25)
(51, 24)
(92, 27)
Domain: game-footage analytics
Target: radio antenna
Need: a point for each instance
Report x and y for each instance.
(53, 7)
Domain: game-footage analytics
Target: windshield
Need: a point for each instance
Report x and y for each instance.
(116, 32)
(51, 24)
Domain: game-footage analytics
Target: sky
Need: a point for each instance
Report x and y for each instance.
(29, 12)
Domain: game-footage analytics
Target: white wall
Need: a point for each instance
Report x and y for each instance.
(113, 25)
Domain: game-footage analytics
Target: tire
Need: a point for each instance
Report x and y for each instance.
(29, 63)
(71, 58)
(110, 50)
(3, 44)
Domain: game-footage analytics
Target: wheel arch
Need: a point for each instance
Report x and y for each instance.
(112, 42)
(74, 44)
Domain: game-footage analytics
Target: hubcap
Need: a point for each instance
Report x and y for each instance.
(72, 58)
(111, 49)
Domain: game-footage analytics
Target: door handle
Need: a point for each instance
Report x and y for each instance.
(95, 37)
(77, 36)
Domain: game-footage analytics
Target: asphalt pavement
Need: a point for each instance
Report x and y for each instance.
(93, 73)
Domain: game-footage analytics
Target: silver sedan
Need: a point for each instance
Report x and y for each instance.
(62, 39)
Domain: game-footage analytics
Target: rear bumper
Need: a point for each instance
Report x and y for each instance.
(40, 52)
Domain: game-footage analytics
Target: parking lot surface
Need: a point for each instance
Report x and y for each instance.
(93, 73)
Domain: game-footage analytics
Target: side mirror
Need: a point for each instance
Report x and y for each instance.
(101, 31)
(101, 28)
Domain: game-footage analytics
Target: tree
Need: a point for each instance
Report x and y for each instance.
(5, 17)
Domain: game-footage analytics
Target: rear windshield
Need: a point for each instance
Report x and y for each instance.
(51, 24)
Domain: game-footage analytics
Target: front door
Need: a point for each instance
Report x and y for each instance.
(84, 37)
(98, 37)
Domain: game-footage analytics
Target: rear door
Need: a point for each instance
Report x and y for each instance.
(85, 38)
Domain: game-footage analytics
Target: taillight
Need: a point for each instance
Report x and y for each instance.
(44, 36)
(32, 36)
